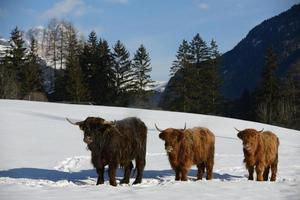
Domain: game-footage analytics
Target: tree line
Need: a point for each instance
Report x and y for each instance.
(83, 71)
(90, 71)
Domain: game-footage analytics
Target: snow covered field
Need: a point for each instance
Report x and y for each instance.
(43, 157)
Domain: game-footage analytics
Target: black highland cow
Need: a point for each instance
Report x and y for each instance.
(115, 144)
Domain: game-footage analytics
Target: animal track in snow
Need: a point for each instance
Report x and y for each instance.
(73, 163)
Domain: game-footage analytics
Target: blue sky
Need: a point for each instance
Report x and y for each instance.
(160, 25)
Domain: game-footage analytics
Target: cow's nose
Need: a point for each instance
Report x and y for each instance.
(169, 149)
(247, 146)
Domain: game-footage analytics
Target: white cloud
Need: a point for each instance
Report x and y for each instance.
(203, 6)
(118, 1)
(76, 7)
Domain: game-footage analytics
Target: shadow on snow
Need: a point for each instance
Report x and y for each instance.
(78, 177)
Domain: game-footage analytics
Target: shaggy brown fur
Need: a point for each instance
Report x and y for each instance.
(115, 144)
(260, 152)
(187, 147)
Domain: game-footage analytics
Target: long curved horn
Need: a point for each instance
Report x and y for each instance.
(74, 123)
(261, 130)
(184, 126)
(158, 128)
(237, 129)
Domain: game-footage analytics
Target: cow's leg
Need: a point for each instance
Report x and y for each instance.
(209, 169)
(140, 165)
(177, 174)
(266, 173)
(201, 169)
(100, 172)
(184, 172)
(274, 170)
(259, 172)
(112, 174)
(251, 172)
(127, 172)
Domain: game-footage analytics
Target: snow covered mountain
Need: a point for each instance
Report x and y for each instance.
(35, 32)
(158, 86)
(4, 46)
(43, 157)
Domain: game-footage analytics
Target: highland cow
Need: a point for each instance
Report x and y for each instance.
(115, 143)
(187, 147)
(260, 153)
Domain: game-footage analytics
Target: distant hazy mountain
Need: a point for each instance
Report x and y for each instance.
(242, 66)
(38, 34)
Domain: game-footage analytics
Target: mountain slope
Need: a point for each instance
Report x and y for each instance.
(242, 66)
(43, 157)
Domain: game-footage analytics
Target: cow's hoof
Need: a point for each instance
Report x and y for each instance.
(136, 182)
(123, 181)
(100, 183)
(113, 184)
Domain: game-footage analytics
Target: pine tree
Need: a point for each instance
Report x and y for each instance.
(183, 56)
(9, 86)
(199, 49)
(85, 65)
(32, 74)
(193, 87)
(122, 72)
(179, 86)
(197, 74)
(142, 69)
(12, 67)
(213, 80)
(268, 94)
(75, 88)
(17, 53)
(103, 82)
(89, 59)
(196, 86)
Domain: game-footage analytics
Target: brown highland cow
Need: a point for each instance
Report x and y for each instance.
(187, 147)
(116, 143)
(260, 152)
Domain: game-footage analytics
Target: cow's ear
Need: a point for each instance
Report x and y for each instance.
(240, 135)
(162, 135)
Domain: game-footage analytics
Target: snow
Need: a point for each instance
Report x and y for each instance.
(256, 42)
(44, 157)
(158, 86)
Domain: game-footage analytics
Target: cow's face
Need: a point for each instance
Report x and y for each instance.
(91, 126)
(250, 139)
(171, 137)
